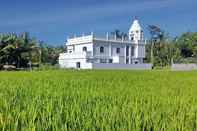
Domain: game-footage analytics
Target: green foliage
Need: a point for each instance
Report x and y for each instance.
(187, 43)
(18, 50)
(159, 49)
(98, 100)
(21, 50)
(46, 67)
(162, 51)
(119, 35)
(50, 54)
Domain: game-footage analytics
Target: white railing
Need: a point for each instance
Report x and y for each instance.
(113, 39)
(75, 55)
(80, 40)
(90, 38)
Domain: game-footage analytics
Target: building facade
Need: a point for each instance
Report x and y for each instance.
(89, 52)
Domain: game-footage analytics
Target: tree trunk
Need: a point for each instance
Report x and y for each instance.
(152, 53)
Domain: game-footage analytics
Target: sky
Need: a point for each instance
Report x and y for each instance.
(53, 21)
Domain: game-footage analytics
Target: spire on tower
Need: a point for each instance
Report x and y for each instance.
(136, 31)
(135, 26)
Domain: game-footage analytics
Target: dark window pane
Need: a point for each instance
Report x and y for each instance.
(84, 48)
(117, 50)
(127, 51)
(101, 49)
(110, 60)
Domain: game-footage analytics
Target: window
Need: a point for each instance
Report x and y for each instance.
(110, 60)
(132, 36)
(118, 50)
(127, 50)
(101, 49)
(84, 49)
(78, 65)
(127, 61)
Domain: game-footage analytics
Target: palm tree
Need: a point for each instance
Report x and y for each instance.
(116, 33)
(156, 35)
(13, 48)
(119, 35)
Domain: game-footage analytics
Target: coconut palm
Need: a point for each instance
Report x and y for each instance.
(18, 50)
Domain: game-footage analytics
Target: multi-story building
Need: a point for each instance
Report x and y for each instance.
(89, 52)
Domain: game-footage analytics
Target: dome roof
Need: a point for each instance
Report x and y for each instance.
(135, 26)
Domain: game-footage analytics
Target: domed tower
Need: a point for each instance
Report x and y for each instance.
(136, 33)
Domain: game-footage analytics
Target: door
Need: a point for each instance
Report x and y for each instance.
(78, 65)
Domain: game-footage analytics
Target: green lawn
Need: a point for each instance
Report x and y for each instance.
(98, 100)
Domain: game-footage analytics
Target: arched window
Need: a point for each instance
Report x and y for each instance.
(101, 49)
(84, 49)
(132, 36)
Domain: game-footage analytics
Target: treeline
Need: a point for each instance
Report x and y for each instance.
(20, 51)
(162, 50)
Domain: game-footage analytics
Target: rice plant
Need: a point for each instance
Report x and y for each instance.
(98, 100)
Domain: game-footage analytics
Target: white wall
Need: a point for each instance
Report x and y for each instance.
(69, 60)
(97, 50)
(122, 49)
(141, 51)
(72, 63)
(110, 53)
(184, 67)
(79, 48)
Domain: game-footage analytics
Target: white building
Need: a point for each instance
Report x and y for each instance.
(91, 52)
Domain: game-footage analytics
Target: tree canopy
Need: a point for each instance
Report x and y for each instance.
(18, 50)
(22, 51)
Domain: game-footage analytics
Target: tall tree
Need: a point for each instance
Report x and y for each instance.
(156, 35)
(160, 48)
(17, 49)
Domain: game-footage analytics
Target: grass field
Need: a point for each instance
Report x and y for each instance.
(98, 100)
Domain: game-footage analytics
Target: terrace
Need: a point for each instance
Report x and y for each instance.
(90, 38)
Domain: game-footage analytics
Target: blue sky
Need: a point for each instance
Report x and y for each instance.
(53, 20)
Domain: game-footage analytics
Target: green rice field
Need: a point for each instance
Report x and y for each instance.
(64, 100)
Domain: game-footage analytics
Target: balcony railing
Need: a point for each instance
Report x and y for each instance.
(76, 55)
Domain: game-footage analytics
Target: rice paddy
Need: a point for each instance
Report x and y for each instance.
(98, 100)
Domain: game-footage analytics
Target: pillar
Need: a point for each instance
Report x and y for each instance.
(125, 54)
